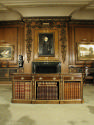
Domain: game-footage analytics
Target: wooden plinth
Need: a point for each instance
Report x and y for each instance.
(21, 101)
(48, 101)
(71, 101)
(45, 102)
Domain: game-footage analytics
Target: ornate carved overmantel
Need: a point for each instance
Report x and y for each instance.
(46, 22)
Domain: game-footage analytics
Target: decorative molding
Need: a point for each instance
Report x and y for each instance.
(43, 19)
(28, 41)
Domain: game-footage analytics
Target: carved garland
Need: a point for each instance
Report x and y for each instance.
(28, 41)
(63, 41)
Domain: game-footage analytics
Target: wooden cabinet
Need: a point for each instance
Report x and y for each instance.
(47, 88)
(72, 88)
(5, 73)
(22, 88)
(87, 77)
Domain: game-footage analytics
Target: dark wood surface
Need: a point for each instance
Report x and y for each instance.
(6, 73)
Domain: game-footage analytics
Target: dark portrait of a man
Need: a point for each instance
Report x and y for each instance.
(46, 46)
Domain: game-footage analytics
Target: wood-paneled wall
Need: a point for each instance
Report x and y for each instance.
(12, 33)
(17, 33)
(79, 33)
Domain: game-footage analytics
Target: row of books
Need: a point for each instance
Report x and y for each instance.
(72, 90)
(47, 91)
(22, 90)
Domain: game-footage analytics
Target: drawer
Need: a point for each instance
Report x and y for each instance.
(72, 78)
(22, 78)
(48, 78)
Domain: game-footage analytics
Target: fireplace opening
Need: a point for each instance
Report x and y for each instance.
(46, 67)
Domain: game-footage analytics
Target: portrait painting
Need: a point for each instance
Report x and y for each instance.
(46, 44)
(6, 52)
(85, 51)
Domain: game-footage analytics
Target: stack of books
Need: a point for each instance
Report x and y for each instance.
(22, 90)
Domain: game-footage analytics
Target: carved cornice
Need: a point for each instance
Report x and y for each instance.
(4, 23)
(82, 22)
(57, 19)
(28, 41)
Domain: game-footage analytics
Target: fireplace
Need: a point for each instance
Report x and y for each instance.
(46, 67)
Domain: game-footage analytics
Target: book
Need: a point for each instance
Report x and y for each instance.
(27, 90)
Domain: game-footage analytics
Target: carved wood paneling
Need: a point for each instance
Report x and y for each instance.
(11, 32)
(80, 31)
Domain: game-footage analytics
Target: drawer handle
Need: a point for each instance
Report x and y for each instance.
(54, 78)
(40, 78)
(22, 78)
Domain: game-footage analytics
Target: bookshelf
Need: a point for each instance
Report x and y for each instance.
(72, 85)
(47, 89)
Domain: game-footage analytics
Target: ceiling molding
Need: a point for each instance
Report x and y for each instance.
(81, 8)
(11, 10)
(20, 3)
(27, 8)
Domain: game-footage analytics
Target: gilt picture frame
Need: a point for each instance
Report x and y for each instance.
(46, 44)
(6, 52)
(85, 51)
